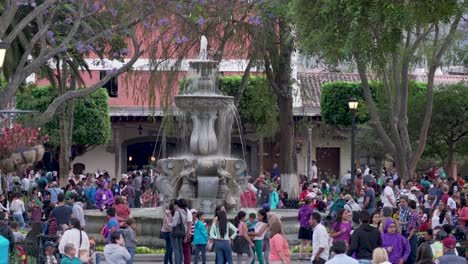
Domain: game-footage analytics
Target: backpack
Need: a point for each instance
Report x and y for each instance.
(50, 227)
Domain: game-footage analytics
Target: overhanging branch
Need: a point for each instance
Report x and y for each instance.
(59, 101)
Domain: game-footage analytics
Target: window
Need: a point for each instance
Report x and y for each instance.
(112, 86)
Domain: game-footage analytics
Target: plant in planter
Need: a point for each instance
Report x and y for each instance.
(20, 147)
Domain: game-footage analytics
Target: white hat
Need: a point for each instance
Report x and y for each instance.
(193, 211)
(414, 188)
(311, 195)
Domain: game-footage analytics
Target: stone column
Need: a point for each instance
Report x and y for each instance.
(117, 151)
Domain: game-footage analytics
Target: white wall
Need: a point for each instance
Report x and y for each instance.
(98, 158)
(321, 138)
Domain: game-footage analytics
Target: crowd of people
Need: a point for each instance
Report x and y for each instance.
(421, 220)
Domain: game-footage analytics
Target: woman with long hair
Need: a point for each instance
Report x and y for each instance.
(305, 230)
(180, 215)
(463, 213)
(78, 238)
(220, 233)
(375, 219)
(166, 233)
(424, 254)
(341, 229)
(440, 216)
(243, 243)
(305, 191)
(396, 245)
(259, 234)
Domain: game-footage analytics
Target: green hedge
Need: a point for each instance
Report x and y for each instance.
(335, 96)
(92, 124)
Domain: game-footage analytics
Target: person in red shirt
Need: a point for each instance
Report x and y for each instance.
(248, 198)
(305, 191)
(445, 196)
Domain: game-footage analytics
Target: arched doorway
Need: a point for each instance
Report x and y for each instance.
(136, 153)
(140, 155)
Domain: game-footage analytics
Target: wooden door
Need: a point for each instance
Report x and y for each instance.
(328, 162)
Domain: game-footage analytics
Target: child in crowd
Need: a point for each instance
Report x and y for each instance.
(18, 236)
(49, 250)
(200, 238)
(129, 236)
(251, 222)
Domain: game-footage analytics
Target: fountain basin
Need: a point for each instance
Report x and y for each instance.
(149, 222)
(203, 102)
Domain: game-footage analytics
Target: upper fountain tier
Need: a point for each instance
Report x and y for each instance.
(200, 92)
(203, 102)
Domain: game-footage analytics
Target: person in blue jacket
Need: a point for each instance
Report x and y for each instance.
(274, 198)
(200, 238)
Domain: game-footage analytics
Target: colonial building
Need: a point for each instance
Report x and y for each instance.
(139, 139)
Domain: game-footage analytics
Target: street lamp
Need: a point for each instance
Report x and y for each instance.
(353, 105)
(3, 48)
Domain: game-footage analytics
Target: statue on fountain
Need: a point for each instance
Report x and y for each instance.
(209, 175)
(187, 180)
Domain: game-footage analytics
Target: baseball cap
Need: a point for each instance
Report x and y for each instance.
(193, 211)
(449, 242)
(347, 197)
(414, 188)
(49, 244)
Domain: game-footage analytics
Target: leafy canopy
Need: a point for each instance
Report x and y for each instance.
(91, 117)
(258, 104)
(337, 30)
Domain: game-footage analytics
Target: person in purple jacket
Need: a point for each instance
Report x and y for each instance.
(104, 198)
(396, 245)
(305, 230)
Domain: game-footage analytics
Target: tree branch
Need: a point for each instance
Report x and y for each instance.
(371, 106)
(434, 63)
(59, 101)
(244, 81)
(25, 21)
(270, 74)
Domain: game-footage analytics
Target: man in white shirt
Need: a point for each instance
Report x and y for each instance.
(366, 170)
(320, 240)
(451, 204)
(25, 184)
(388, 197)
(314, 172)
(339, 248)
(346, 177)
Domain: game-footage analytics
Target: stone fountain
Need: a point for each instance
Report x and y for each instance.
(208, 176)
(205, 174)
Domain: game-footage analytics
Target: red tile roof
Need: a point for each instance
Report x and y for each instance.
(311, 83)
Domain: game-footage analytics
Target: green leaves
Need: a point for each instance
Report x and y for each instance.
(92, 124)
(334, 103)
(258, 104)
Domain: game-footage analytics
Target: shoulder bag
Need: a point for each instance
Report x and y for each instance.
(179, 230)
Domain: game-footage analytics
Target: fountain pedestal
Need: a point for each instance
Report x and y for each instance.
(208, 177)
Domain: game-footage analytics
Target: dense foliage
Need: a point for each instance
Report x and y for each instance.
(335, 96)
(258, 104)
(91, 117)
(449, 123)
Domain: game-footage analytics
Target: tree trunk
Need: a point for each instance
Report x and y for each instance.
(66, 129)
(450, 154)
(260, 156)
(289, 180)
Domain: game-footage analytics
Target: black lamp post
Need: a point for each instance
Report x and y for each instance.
(353, 105)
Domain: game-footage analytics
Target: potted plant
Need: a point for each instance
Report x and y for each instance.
(20, 147)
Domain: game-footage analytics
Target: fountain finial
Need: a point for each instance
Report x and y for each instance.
(203, 55)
